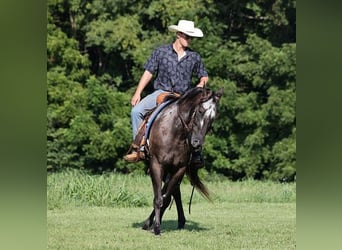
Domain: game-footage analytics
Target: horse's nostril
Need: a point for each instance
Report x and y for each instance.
(196, 143)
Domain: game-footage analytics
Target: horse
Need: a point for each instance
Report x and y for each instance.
(178, 130)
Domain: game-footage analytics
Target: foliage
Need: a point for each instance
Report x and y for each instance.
(79, 188)
(95, 56)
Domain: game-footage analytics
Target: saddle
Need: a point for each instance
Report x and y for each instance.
(139, 142)
(167, 96)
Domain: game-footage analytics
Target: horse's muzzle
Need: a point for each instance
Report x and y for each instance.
(196, 143)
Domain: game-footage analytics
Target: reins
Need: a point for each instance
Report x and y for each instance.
(192, 194)
(188, 127)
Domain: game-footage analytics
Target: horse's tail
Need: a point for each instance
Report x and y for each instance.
(192, 173)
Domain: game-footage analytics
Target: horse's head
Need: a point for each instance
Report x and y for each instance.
(204, 114)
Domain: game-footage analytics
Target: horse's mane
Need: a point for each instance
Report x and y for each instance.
(193, 97)
(190, 94)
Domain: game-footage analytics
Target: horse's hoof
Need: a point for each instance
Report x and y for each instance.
(147, 225)
(156, 230)
(181, 224)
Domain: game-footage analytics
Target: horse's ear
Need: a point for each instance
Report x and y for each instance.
(204, 90)
(218, 94)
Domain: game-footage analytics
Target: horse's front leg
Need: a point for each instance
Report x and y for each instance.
(156, 176)
(174, 182)
(173, 188)
(178, 200)
(166, 202)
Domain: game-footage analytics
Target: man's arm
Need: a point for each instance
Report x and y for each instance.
(144, 80)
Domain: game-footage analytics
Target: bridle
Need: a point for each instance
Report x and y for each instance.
(189, 126)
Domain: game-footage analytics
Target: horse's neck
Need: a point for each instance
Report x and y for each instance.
(175, 113)
(169, 118)
(187, 105)
(186, 112)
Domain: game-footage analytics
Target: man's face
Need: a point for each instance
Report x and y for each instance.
(185, 40)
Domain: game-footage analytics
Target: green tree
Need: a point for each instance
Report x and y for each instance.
(96, 51)
(87, 126)
(259, 112)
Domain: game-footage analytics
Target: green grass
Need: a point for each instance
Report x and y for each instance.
(79, 189)
(244, 215)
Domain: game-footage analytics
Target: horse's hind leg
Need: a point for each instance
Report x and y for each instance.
(178, 199)
(148, 223)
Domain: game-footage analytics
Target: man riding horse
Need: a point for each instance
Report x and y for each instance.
(173, 65)
(179, 129)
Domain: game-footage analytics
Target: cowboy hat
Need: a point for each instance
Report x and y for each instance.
(186, 27)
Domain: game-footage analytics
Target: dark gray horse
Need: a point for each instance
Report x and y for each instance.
(179, 129)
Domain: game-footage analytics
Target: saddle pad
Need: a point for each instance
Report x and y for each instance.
(154, 116)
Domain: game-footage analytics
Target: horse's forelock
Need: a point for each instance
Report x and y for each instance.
(207, 94)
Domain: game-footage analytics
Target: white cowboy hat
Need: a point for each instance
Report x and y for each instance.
(187, 27)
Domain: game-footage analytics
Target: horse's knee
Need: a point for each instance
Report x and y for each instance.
(158, 202)
(136, 111)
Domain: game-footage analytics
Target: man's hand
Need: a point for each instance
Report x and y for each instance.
(135, 99)
(203, 81)
(144, 80)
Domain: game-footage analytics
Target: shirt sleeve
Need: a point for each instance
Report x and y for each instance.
(200, 69)
(152, 63)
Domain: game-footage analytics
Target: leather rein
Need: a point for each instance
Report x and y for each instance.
(188, 126)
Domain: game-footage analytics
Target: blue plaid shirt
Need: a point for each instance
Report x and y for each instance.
(174, 75)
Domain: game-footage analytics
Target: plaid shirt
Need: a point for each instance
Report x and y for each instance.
(174, 75)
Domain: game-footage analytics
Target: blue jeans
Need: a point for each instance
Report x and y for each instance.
(138, 111)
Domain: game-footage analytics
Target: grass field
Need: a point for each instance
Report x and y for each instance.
(107, 211)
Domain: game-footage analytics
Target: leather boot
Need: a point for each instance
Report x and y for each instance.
(132, 157)
(135, 154)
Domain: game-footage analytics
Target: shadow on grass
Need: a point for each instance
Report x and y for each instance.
(171, 225)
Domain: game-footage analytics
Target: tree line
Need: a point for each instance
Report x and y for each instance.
(96, 50)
